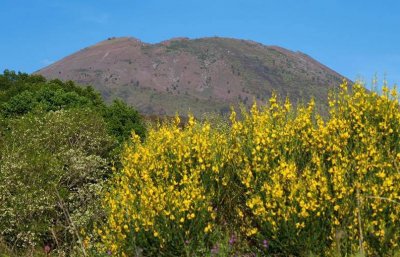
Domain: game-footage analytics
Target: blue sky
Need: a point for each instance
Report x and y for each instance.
(356, 38)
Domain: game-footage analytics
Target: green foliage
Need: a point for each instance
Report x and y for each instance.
(58, 141)
(52, 167)
(22, 93)
(122, 119)
(49, 95)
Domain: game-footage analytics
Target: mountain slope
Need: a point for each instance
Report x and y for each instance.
(200, 75)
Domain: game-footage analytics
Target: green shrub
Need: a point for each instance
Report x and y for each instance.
(51, 169)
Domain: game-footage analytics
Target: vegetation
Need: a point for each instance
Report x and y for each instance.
(279, 182)
(58, 142)
(22, 93)
(56, 162)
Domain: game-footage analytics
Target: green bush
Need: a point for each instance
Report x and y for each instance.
(52, 167)
(122, 119)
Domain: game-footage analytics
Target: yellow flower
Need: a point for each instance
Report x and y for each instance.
(251, 231)
(208, 228)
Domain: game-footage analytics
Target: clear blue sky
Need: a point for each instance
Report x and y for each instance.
(356, 38)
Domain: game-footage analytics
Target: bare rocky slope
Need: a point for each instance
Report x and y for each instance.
(196, 75)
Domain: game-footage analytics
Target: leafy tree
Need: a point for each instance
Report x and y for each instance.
(21, 94)
(122, 119)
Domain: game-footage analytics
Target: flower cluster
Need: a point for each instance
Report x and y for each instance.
(164, 192)
(306, 183)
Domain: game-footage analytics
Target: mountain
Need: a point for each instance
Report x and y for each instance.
(200, 75)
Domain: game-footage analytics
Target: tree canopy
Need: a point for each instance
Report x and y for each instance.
(21, 93)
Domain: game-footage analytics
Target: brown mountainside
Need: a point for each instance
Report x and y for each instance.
(200, 75)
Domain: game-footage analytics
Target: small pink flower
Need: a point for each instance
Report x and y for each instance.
(232, 240)
(265, 243)
(47, 249)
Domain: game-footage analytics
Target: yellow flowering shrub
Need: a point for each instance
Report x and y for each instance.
(280, 180)
(164, 194)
